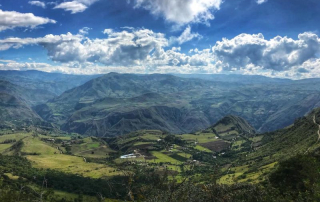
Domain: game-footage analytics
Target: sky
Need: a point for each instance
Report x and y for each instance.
(275, 38)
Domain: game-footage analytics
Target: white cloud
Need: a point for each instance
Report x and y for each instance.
(140, 47)
(181, 11)
(84, 30)
(261, 1)
(118, 48)
(186, 36)
(14, 42)
(107, 31)
(7, 61)
(73, 6)
(144, 51)
(279, 53)
(38, 3)
(76, 6)
(13, 19)
(87, 2)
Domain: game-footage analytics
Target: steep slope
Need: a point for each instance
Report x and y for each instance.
(288, 113)
(119, 103)
(232, 126)
(31, 96)
(130, 85)
(116, 116)
(16, 104)
(15, 112)
(301, 137)
(66, 108)
(260, 155)
(253, 159)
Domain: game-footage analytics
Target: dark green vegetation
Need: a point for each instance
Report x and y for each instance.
(117, 104)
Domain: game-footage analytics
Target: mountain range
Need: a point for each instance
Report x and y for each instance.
(115, 104)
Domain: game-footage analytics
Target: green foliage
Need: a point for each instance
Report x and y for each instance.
(173, 139)
(299, 175)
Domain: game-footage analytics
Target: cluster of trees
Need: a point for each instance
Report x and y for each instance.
(8, 141)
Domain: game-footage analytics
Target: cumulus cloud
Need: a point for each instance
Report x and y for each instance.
(38, 3)
(261, 1)
(132, 48)
(13, 19)
(279, 53)
(117, 48)
(76, 6)
(186, 36)
(142, 50)
(181, 11)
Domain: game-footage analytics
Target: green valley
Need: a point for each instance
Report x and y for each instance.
(229, 152)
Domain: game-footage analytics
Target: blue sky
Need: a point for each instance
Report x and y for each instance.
(276, 38)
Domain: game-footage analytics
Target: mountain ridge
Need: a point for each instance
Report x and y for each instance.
(89, 107)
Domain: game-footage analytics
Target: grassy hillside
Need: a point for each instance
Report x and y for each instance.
(229, 152)
(266, 150)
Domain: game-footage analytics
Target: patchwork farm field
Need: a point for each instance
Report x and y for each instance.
(208, 151)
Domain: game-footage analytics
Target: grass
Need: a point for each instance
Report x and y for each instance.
(151, 137)
(200, 137)
(253, 177)
(70, 196)
(186, 155)
(72, 164)
(91, 148)
(119, 160)
(16, 136)
(237, 144)
(12, 177)
(93, 145)
(3, 147)
(229, 179)
(142, 143)
(35, 145)
(56, 137)
(100, 152)
(201, 148)
(48, 157)
(257, 138)
(221, 127)
(232, 178)
(161, 157)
